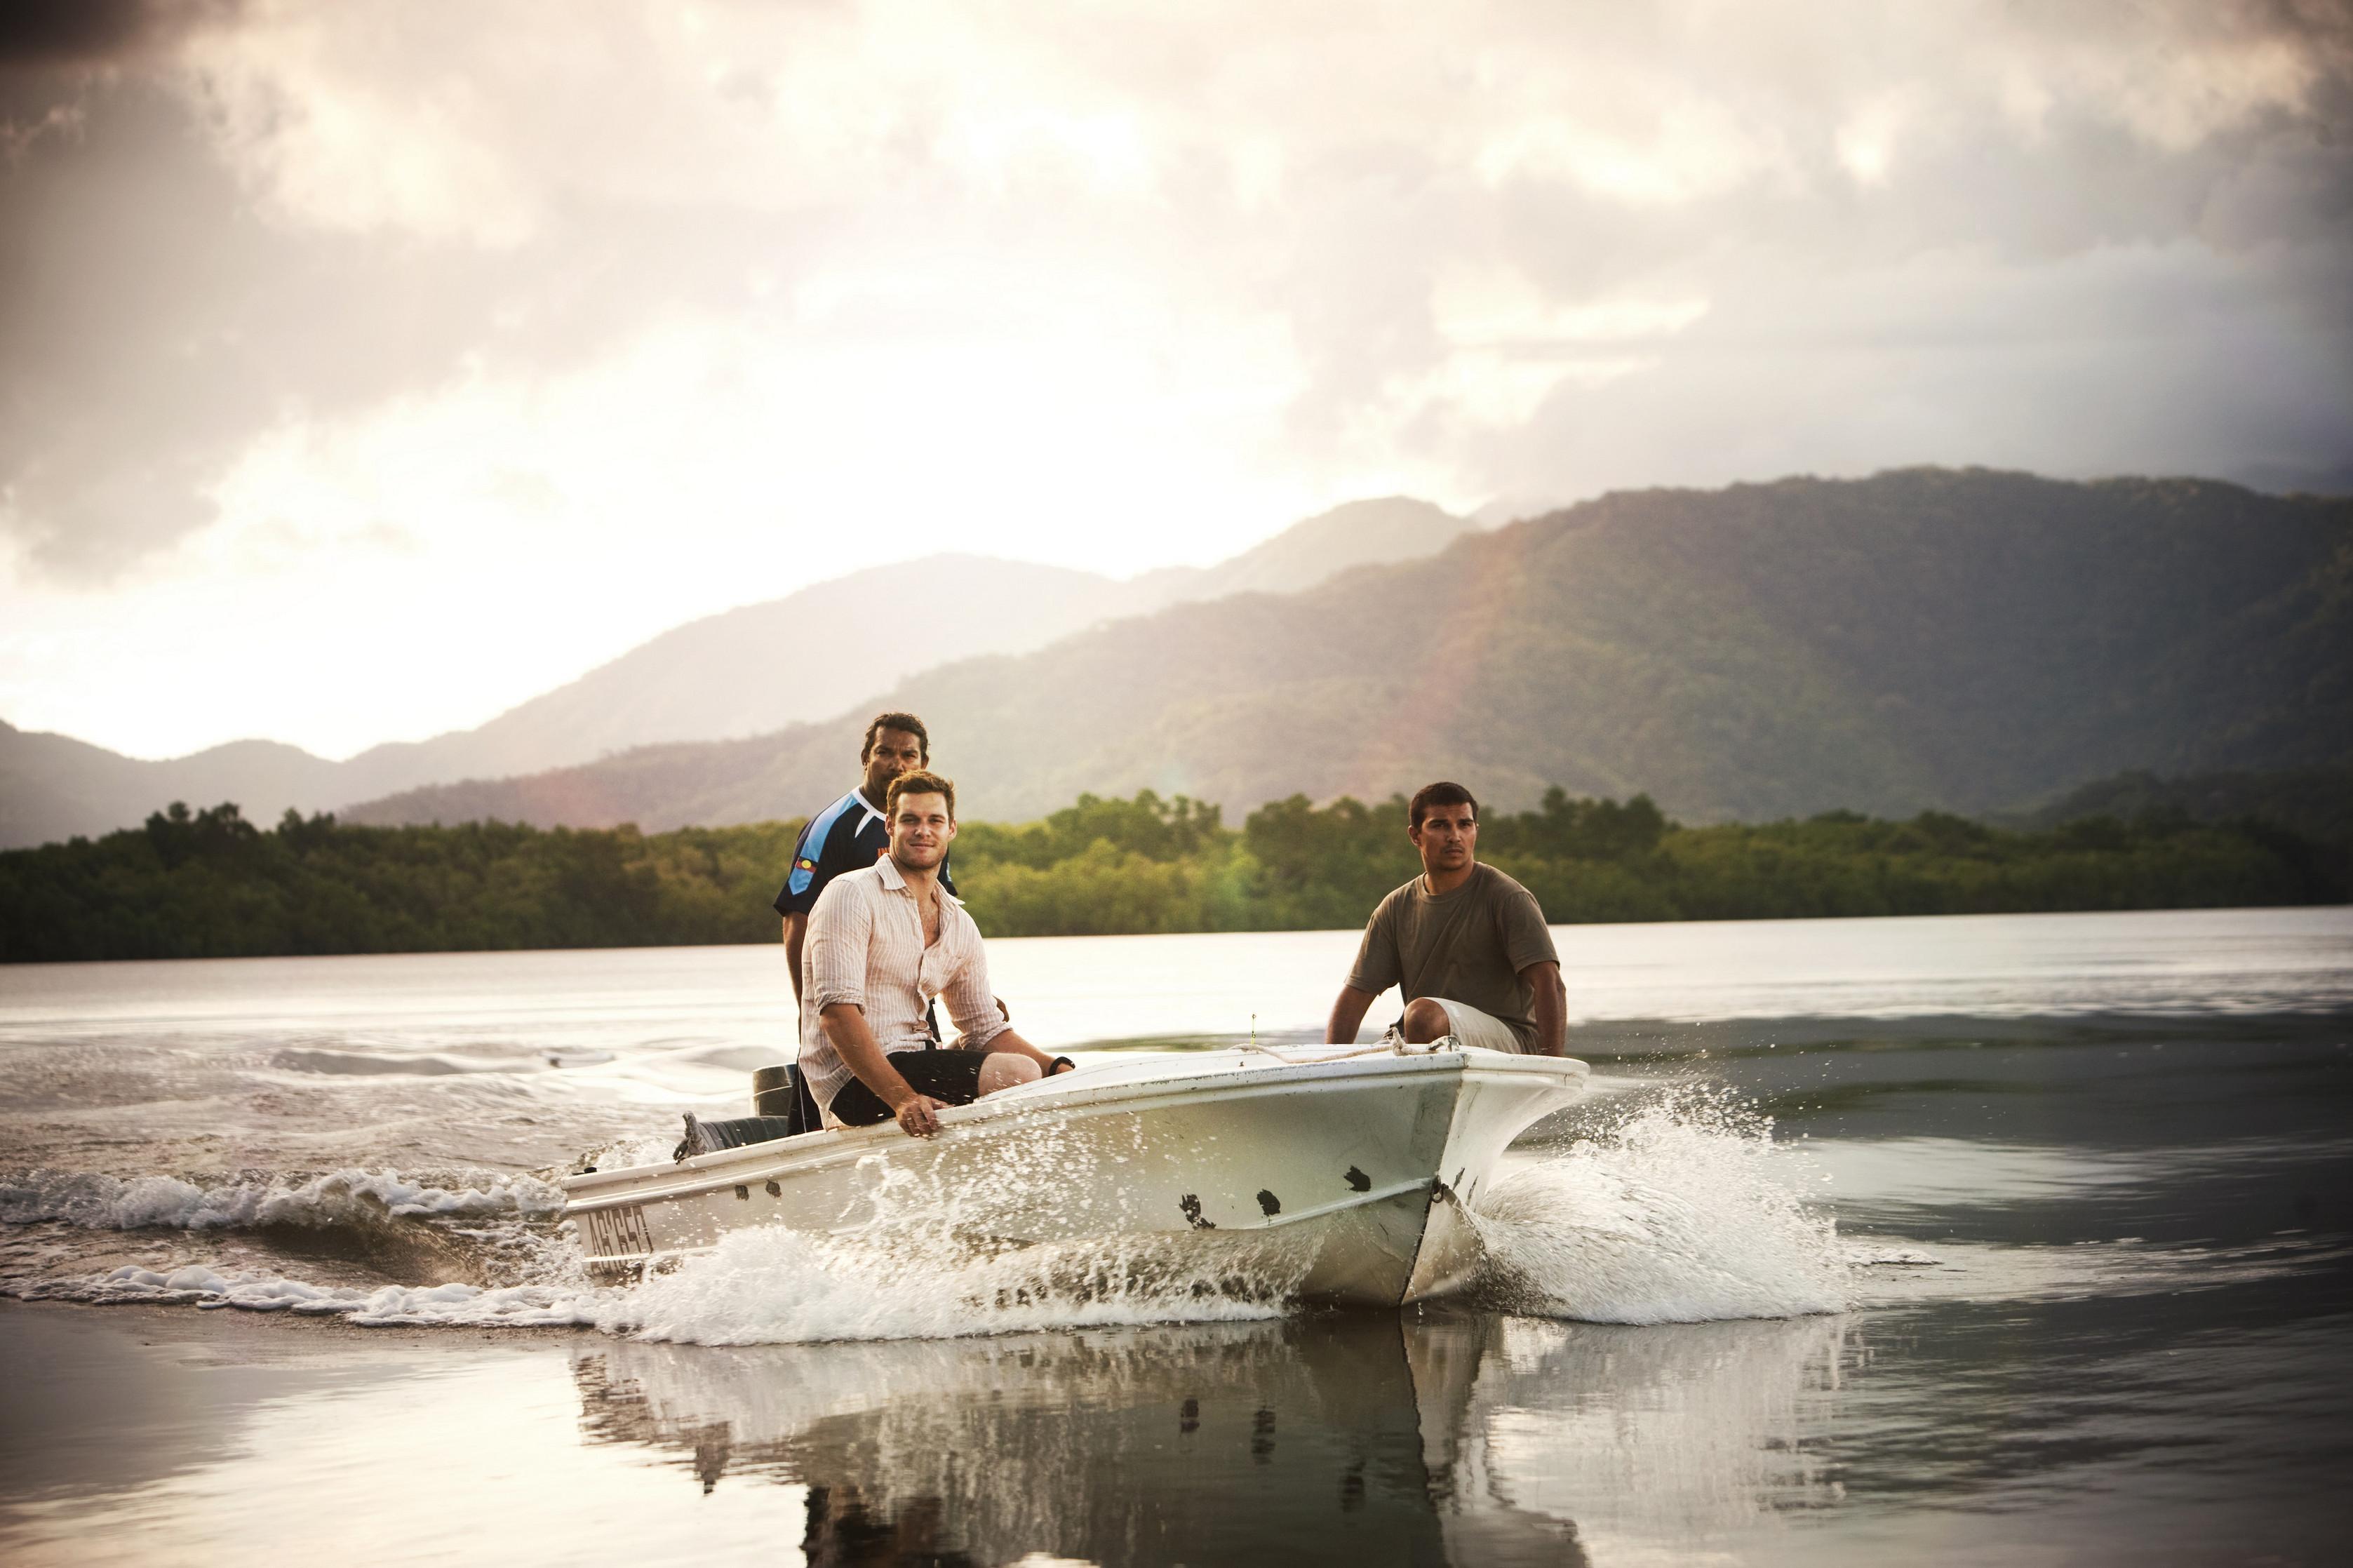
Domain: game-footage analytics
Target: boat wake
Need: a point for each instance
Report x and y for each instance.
(377, 1246)
(100, 1201)
(1677, 1208)
(772, 1286)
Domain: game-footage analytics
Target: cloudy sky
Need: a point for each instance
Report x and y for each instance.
(368, 366)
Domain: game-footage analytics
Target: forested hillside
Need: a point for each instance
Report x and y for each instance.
(2316, 803)
(210, 884)
(1955, 640)
(749, 671)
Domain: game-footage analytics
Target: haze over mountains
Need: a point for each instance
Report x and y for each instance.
(1968, 640)
(746, 671)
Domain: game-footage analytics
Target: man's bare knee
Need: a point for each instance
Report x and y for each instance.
(1425, 1021)
(1007, 1070)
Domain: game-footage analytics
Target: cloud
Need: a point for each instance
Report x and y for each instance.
(82, 32)
(499, 273)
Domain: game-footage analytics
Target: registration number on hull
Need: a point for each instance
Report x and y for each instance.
(617, 1232)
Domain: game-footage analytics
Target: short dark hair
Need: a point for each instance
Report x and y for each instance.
(907, 721)
(1440, 794)
(919, 781)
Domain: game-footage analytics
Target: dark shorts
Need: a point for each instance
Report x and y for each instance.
(952, 1077)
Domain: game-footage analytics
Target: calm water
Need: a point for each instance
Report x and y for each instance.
(2010, 1239)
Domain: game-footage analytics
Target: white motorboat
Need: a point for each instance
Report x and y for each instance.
(1353, 1164)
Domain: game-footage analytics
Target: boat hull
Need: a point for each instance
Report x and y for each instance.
(1349, 1173)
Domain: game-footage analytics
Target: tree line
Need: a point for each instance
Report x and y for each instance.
(209, 884)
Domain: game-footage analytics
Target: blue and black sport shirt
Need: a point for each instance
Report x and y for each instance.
(847, 835)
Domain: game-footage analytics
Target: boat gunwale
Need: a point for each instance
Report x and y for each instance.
(820, 1150)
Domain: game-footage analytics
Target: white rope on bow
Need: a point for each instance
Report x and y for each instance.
(1391, 1044)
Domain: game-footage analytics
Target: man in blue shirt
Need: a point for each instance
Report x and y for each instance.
(852, 834)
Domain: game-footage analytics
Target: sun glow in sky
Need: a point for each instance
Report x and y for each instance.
(371, 368)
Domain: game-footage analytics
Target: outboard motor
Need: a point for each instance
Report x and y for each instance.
(782, 1092)
(782, 1107)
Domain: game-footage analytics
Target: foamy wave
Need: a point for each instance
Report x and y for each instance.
(766, 1287)
(1684, 1211)
(777, 1287)
(427, 1306)
(927, 1269)
(626, 1153)
(933, 1263)
(148, 1202)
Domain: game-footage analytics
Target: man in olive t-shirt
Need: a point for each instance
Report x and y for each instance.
(1465, 943)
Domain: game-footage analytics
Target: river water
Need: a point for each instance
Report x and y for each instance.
(2015, 1239)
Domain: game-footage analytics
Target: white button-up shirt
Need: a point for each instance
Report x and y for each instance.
(865, 947)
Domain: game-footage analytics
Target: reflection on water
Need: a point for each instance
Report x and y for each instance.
(1372, 1438)
(2091, 1181)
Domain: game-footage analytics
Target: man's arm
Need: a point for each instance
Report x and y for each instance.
(1527, 947)
(982, 1020)
(1347, 1013)
(844, 1026)
(1378, 966)
(817, 861)
(1551, 1008)
(795, 933)
(1007, 1040)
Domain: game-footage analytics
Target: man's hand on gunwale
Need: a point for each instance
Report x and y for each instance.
(918, 1116)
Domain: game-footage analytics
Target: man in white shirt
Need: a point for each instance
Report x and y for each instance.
(882, 943)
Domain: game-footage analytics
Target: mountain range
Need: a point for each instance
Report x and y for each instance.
(1960, 639)
(747, 671)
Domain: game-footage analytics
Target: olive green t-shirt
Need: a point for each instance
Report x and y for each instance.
(1467, 946)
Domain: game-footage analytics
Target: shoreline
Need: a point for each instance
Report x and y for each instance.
(184, 1322)
(769, 945)
(1111, 868)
